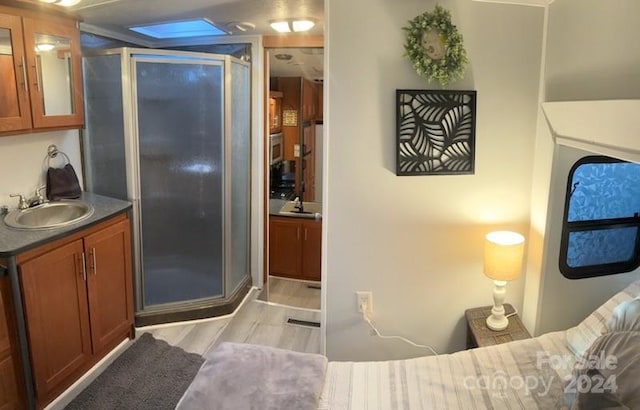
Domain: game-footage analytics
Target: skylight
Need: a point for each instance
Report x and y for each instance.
(179, 29)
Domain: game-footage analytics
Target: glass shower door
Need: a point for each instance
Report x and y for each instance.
(180, 125)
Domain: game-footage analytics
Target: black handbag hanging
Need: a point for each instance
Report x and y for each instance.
(62, 183)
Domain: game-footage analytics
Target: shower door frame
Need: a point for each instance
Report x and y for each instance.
(174, 310)
(136, 179)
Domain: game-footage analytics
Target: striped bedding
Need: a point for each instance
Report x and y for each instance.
(525, 374)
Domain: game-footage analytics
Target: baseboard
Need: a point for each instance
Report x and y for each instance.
(63, 400)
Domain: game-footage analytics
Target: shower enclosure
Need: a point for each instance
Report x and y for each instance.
(169, 131)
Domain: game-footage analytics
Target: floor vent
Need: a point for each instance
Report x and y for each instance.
(314, 287)
(299, 322)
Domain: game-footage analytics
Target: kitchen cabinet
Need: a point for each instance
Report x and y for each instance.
(275, 112)
(309, 100)
(10, 394)
(312, 250)
(291, 89)
(78, 302)
(40, 78)
(299, 95)
(295, 247)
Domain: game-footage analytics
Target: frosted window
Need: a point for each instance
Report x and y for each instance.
(601, 223)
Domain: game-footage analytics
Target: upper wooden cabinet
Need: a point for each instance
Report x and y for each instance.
(40, 75)
(309, 100)
(15, 111)
(275, 112)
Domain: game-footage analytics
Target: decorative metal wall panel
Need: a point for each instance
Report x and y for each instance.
(436, 132)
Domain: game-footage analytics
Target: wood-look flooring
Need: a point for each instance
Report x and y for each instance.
(255, 322)
(291, 292)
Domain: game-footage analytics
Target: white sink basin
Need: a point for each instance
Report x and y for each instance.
(54, 214)
(309, 210)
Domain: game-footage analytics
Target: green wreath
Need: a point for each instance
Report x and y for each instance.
(435, 47)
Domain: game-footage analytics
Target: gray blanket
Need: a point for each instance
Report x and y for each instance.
(243, 376)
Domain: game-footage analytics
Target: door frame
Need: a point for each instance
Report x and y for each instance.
(275, 41)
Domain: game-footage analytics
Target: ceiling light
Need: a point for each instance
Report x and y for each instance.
(303, 25)
(281, 26)
(45, 47)
(179, 29)
(295, 25)
(65, 3)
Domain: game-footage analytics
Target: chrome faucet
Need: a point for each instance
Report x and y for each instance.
(22, 202)
(299, 205)
(38, 198)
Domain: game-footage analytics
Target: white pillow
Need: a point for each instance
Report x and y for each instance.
(625, 317)
(580, 337)
(608, 375)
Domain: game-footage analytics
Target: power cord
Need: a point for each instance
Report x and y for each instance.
(515, 312)
(380, 335)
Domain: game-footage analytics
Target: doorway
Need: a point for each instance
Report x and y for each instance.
(294, 129)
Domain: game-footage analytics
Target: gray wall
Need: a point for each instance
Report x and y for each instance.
(592, 54)
(593, 51)
(416, 242)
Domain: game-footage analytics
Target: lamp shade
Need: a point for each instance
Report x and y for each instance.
(503, 252)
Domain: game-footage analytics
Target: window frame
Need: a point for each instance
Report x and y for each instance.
(594, 225)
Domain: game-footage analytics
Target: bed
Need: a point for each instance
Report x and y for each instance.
(546, 372)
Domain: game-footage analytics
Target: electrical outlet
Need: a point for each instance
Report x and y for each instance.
(365, 302)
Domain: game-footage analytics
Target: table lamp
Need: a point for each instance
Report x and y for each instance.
(503, 252)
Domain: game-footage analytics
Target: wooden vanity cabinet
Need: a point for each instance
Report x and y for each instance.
(39, 88)
(11, 394)
(295, 246)
(78, 302)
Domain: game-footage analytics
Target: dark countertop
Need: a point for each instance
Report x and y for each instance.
(14, 241)
(275, 205)
(277, 208)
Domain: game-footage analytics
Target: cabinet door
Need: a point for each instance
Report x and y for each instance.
(312, 250)
(275, 120)
(15, 111)
(284, 246)
(55, 302)
(9, 392)
(53, 56)
(109, 283)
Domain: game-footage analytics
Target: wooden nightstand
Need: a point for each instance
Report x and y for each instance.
(479, 335)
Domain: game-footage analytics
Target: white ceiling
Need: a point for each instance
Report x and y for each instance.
(305, 62)
(117, 15)
(113, 17)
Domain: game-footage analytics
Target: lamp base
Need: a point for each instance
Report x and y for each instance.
(498, 321)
